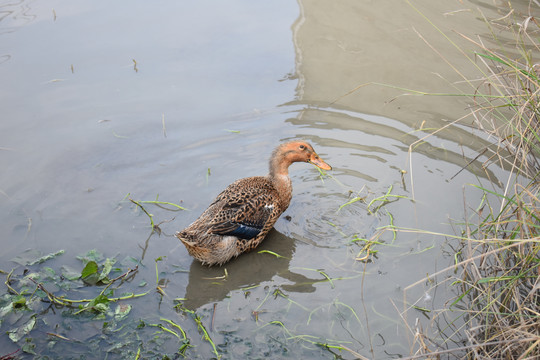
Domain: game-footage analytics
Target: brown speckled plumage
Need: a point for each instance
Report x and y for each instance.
(241, 216)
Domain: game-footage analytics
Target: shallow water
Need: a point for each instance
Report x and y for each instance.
(177, 100)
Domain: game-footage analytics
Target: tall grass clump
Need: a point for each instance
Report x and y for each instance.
(497, 272)
(500, 278)
(507, 103)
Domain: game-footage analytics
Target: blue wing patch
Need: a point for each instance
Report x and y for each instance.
(245, 231)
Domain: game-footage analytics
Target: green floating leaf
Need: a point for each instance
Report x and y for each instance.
(101, 308)
(27, 257)
(70, 273)
(90, 268)
(17, 334)
(18, 302)
(49, 273)
(100, 299)
(130, 261)
(5, 310)
(47, 257)
(90, 273)
(33, 257)
(99, 304)
(107, 267)
(92, 255)
(29, 347)
(121, 311)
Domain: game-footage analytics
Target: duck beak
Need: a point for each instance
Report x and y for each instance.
(318, 162)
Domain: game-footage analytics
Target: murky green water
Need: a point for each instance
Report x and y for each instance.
(177, 100)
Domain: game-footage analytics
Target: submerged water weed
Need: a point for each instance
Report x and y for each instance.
(178, 332)
(35, 293)
(286, 321)
(91, 312)
(375, 207)
(165, 205)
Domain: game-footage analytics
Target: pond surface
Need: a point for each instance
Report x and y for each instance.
(103, 101)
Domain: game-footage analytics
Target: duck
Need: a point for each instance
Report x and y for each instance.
(241, 216)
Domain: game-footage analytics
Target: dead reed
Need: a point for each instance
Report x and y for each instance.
(503, 287)
(497, 270)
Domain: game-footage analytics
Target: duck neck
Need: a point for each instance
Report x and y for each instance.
(279, 166)
(279, 174)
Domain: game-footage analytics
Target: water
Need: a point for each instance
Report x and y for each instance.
(177, 100)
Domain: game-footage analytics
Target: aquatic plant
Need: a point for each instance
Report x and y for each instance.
(41, 299)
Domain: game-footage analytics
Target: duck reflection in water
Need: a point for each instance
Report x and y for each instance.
(248, 270)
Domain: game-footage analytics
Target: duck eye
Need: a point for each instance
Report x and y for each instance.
(302, 147)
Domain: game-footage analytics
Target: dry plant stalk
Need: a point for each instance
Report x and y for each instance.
(503, 320)
(498, 268)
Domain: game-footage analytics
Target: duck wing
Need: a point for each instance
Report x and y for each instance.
(244, 212)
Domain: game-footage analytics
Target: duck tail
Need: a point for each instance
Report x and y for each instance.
(198, 252)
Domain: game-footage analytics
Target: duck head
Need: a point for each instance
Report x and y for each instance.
(291, 152)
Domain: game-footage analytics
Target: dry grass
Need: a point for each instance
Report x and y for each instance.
(503, 287)
(507, 105)
(497, 270)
